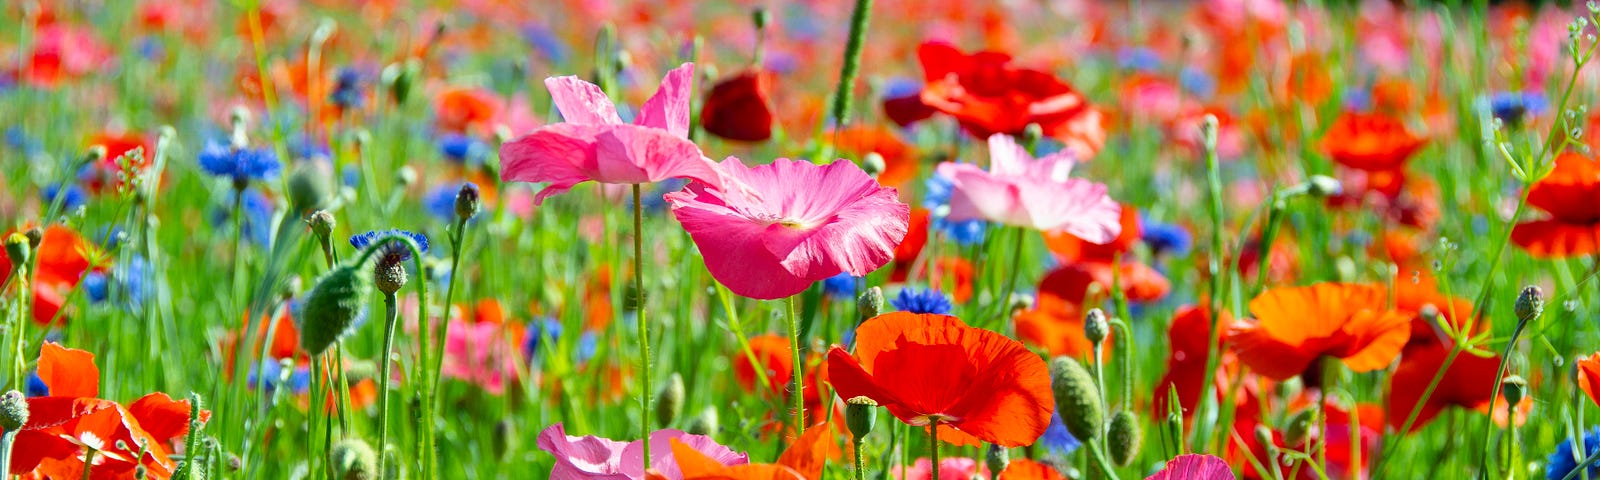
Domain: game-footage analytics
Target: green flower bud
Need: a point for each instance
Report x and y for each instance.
(1323, 186)
(13, 411)
(1124, 438)
(669, 401)
(1514, 388)
(322, 223)
(18, 249)
(1095, 326)
(703, 424)
(761, 17)
(468, 201)
(860, 414)
(997, 458)
(1530, 304)
(310, 187)
(35, 236)
(353, 459)
(870, 303)
(1077, 399)
(332, 306)
(873, 164)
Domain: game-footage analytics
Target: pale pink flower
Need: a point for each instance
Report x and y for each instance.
(594, 145)
(959, 467)
(780, 227)
(481, 353)
(1022, 191)
(595, 458)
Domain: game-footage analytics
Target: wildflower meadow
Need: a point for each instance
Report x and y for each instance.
(799, 239)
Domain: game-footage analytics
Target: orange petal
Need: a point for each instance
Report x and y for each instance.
(1266, 355)
(1379, 337)
(1555, 239)
(1024, 469)
(68, 372)
(1589, 376)
(809, 453)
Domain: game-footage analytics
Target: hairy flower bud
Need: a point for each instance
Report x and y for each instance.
(870, 303)
(353, 459)
(1123, 439)
(13, 411)
(1077, 399)
(1530, 304)
(669, 401)
(1095, 326)
(332, 307)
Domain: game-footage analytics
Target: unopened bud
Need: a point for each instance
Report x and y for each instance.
(703, 424)
(322, 223)
(310, 187)
(860, 414)
(873, 164)
(997, 458)
(1124, 438)
(353, 459)
(389, 276)
(468, 201)
(1323, 186)
(35, 236)
(761, 18)
(870, 303)
(407, 176)
(18, 249)
(1208, 131)
(1095, 327)
(332, 307)
(669, 401)
(1077, 399)
(1530, 304)
(13, 411)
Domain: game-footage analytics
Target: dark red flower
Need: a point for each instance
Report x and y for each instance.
(739, 107)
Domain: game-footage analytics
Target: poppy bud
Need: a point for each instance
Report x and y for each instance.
(1124, 438)
(389, 275)
(18, 249)
(1021, 301)
(1264, 436)
(1323, 186)
(860, 414)
(332, 307)
(1208, 131)
(873, 164)
(761, 18)
(184, 472)
(1530, 304)
(13, 411)
(870, 303)
(310, 187)
(97, 153)
(353, 459)
(1031, 135)
(468, 201)
(998, 458)
(1514, 387)
(1299, 427)
(739, 108)
(407, 176)
(1095, 327)
(322, 223)
(669, 401)
(35, 236)
(703, 424)
(400, 77)
(1077, 399)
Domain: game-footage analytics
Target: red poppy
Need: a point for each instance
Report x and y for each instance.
(1589, 376)
(459, 110)
(772, 351)
(61, 260)
(1371, 141)
(1025, 469)
(911, 247)
(989, 95)
(1186, 366)
(978, 384)
(899, 159)
(1413, 297)
(739, 107)
(1567, 194)
(1295, 326)
(1468, 383)
(63, 426)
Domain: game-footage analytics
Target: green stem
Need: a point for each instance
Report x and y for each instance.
(1003, 304)
(1214, 295)
(843, 94)
(88, 462)
(1500, 374)
(861, 465)
(644, 327)
(797, 393)
(1417, 410)
(9, 439)
(1099, 457)
(391, 317)
(933, 445)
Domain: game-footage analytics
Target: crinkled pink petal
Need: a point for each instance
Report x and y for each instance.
(665, 463)
(668, 109)
(637, 154)
(1194, 467)
(581, 102)
(1078, 207)
(584, 458)
(552, 154)
(977, 195)
(732, 245)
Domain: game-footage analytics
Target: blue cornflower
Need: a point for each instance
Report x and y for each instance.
(94, 286)
(1139, 58)
(964, 232)
(299, 379)
(240, 164)
(392, 251)
(441, 201)
(841, 286)
(546, 42)
(347, 89)
(1165, 237)
(257, 217)
(1562, 463)
(917, 300)
(1057, 439)
(534, 337)
(72, 196)
(36, 386)
(936, 192)
(1198, 82)
(936, 198)
(1511, 107)
(460, 149)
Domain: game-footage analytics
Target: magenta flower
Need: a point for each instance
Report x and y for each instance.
(1020, 191)
(1194, 467)
(595, 458)
(480, 353)
(780, 227)
(594, 144)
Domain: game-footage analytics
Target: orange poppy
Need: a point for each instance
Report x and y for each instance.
(461, 109)
(1024, 469)
(1186, 366)
(61, 426)
(739, 107)
(697, 466)
(899, 159)
(1371, 141)
(1055, 326)
(1295, 326)
(1589, 376)
(1567, 194)
(1468, 383)
(1070, 248)
(933, 368)
(989, 95)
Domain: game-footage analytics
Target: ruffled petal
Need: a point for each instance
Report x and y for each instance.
(68, 372)
(581, 102)
(668, 109)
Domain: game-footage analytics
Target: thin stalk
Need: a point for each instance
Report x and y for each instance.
(1505, 360)
(391, 317)
(1003, 303)
(797, 394)
(88, 461)
(861, 465)
(9, 439)
(933, 445)
(1417, 410)
(1214, 268)
(644, 326)
(1099, 458)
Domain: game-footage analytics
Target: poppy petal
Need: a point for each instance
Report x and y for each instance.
(668, 108)
(1556, 239)
(1380, 337)
(68, 372)
(1589, 376)
(581, 102)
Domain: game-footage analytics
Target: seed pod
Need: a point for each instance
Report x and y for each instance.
(353, 459)
(997, 458)
(332, 307)
(1514, 388)
(1530, 304)
(13, 411)
(860, 414)
(1124, 438)
(1077, 399)
(669, 401)
(18, 249)
(390, 275)
(870, 303)
(322, 223)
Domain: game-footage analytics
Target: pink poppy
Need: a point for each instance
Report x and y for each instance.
(1194, 467)
(595, 458)
(791, 223)
(961, 468)
(594, 144)
(1035, 193)
(480, 353)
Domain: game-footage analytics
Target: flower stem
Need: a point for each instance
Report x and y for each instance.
(644, 327)
(391, 315)
(1417, 410)
(9, 439)
(843, 94)
(1099, 458)
(1214, 292)
(797, 392)
(1505, 361)
(861, 465)
(933, 444)
(1003, 303)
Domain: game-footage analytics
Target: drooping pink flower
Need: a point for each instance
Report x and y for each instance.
(1194, 467)
(594, 458)
(1022, 191)
(780, 227)
(593, 144)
